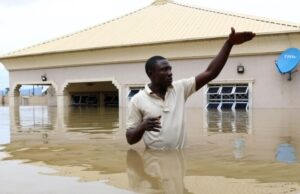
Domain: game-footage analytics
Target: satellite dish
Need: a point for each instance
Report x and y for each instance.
(288, 60)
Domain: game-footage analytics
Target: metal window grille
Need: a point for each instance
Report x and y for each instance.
(227, 97)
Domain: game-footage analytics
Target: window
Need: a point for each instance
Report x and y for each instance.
(227, 97)
(133, 91)
(85, 100)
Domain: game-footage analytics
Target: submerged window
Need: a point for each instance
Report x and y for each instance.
(85, 100)
(227, 121)
(227, 97)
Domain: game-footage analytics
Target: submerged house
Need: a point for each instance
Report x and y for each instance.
(104, 65)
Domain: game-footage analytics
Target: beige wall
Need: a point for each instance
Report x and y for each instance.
(263, 44)
(268, 89)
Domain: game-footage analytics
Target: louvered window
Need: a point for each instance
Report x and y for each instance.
(227, 97)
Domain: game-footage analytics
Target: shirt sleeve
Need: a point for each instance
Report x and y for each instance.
(134, 115)
(189, 86)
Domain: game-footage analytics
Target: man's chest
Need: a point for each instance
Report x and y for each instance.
(153, 106)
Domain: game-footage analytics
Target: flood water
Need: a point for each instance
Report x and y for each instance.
(83, 150)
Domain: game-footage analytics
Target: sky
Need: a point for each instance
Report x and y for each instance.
(27, 22)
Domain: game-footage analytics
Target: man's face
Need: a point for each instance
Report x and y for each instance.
(162, 73)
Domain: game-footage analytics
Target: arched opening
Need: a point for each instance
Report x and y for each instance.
(34, 94)
(32, 111)
(87, 101)
(98, 94)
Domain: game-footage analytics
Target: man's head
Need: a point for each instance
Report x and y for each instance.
(159, 71)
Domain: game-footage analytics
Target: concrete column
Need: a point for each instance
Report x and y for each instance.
(14, 101)
(62, 104)
(51, 96)
(122, 118)
(62, 101)
(14, 95)
(14, 117)
(122, 96)
(60, 117)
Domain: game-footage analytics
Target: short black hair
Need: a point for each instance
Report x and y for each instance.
(151, 62)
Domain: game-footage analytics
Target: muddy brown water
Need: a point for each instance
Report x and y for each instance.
(83, 150)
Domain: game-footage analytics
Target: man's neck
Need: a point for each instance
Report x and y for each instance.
(158, 90)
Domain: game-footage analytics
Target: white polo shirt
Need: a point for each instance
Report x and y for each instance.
(147, 104)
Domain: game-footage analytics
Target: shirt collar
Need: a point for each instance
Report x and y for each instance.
(149, 91)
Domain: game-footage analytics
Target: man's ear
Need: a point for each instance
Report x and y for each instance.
(149, 73)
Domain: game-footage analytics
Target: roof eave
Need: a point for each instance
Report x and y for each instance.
(138, 44)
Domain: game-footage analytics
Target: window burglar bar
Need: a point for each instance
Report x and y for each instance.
(226, 97)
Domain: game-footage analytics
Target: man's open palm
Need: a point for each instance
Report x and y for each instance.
(240, 37)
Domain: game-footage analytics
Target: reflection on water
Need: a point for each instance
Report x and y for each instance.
(286, 153)
(239, 148)
(228, 121)
(24, 178)
(92, 120)
(34, 117)
(156, 171)
(229, 152)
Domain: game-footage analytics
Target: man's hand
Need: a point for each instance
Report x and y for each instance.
(134, 135)
(151, 124)
(239, 37)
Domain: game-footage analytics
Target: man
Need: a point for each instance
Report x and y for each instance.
(156, 114)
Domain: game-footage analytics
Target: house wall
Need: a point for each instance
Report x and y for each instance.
(124, 67)
(269, 88)
(262, 44)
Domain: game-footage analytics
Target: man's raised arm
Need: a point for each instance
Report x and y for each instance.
(219, 61)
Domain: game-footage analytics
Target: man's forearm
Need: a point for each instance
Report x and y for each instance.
(134, 135)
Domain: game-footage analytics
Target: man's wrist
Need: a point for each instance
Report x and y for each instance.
(142, 128)
(229, 42)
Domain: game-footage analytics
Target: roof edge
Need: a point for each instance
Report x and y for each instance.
(240, 15)
(136, 45)
(161, 2)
